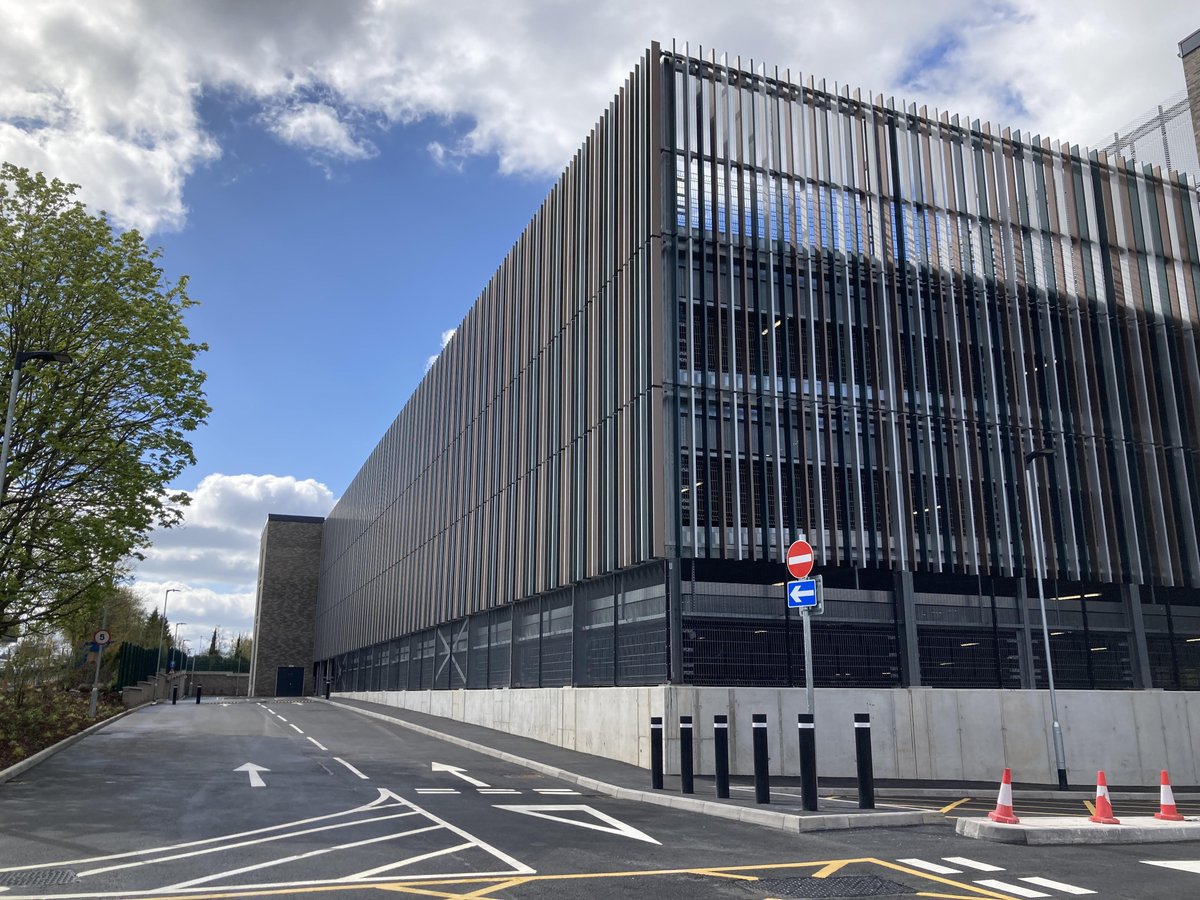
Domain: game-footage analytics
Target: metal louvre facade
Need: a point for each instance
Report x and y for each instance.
(754, 309)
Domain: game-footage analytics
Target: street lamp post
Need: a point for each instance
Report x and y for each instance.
(175, 639)
(162, 630)
(18, 364)
(1035, 516)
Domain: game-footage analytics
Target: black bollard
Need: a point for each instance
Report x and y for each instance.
(721, 754)
(866, 768)
(199, 691)
(328, 682)
(762, 778)
(687, 784)
(808, 761)
(656, 753)
(174, 694)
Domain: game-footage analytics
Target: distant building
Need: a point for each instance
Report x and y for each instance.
(753, 309)
(1189, 52)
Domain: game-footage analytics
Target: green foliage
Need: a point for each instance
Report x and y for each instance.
(42, 717)
(95, 442)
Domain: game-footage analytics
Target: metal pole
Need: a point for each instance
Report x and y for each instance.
(1036, 520)
(808, 662)
(762, 777)
(656, 752)
(721, 755)
(162, 630)
(866, 767)
(687, 784)
(96, 677)
(8, 421)
(807, 732)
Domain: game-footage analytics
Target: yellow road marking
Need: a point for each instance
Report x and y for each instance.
(714, 874)
(949, 896)
(828, 870)
(946, 809)
(1090, 808)
(483, 892)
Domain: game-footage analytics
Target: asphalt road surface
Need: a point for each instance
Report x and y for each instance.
(290, 799)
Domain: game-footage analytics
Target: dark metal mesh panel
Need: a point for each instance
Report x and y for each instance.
(964, 657)
(458, 655)
(594, 636)
(847, 655)
(735, 653)
(526, 643)
(556, 640)
(499, 647)
(400, 681)
(1084, 661)
(641, 645)
(477, 659)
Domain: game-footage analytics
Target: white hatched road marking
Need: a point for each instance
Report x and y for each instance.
(386, 802)
(319, 744)
(498, 791)
(972, 864)
(561, 792)
(1182, 865)
(935, 868)
(298, 731)
(438, 791)
(1010, 888)
(351, 768)
(1057, 886)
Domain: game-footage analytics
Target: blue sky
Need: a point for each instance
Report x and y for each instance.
(339, 180)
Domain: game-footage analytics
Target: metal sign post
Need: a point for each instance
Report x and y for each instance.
(101, 638)
(808, 676)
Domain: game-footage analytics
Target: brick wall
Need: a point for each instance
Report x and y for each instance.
(285, 605)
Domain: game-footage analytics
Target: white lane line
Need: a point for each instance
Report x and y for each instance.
(972, 864)
(311, 853)
(379, 803)
(930, 867)
(1010, 888)
(498, 791)
(1057, 886)
(557, 792)
(298, 731)
(271, 711)
(412, 859)
(351, 768)
(281, 719)
(240, 844)
(320, 746)
(438, 791)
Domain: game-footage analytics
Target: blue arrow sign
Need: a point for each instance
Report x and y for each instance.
(802, 594)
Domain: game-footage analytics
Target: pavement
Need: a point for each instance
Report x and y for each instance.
(629, 782)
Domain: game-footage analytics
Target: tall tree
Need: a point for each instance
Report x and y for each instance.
(213, 649)
(96, 441)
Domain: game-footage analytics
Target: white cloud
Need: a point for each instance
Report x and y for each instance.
(317, 127)
(213, 557)
(106, 94)
(446, 335)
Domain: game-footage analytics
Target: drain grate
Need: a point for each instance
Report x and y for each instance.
(38, 878)
(840, 886)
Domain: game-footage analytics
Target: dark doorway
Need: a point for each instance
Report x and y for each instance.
(289, 681)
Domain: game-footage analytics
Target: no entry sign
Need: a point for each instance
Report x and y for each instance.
(800, 559)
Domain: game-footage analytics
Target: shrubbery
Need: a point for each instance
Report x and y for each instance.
(35, 719)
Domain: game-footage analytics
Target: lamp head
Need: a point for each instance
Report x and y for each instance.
(58, 356)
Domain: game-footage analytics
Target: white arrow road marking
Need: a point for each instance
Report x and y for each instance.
(255, 778)
(1183, 865)
(614, 826)
(460, 773)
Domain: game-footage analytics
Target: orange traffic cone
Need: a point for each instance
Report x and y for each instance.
(1104, 810)
(1166, 801)
(1003, 812)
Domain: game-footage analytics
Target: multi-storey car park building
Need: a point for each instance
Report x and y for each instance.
(755, 308)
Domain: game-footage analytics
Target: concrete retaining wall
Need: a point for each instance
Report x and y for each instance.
(917, 733)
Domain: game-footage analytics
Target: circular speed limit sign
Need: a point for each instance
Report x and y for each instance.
(102, 637)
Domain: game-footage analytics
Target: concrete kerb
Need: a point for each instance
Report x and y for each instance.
(1078, 830)
(26, 764)
(765, 817)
